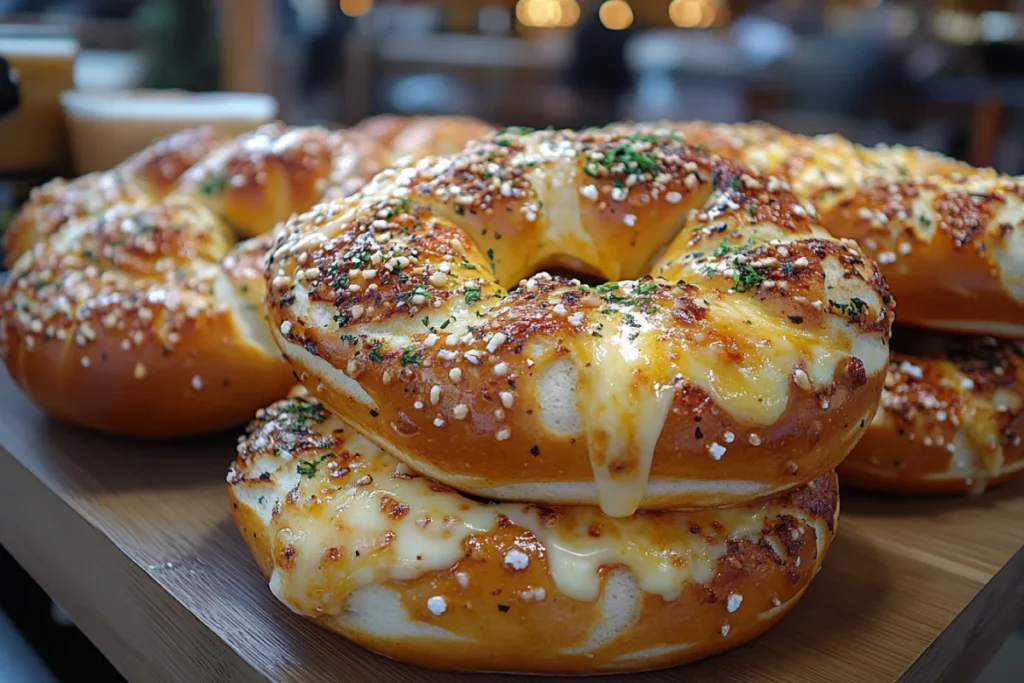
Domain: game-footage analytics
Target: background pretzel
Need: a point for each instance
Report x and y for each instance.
(946, 235)
(748, 365)
(420, 136)
(128, 311)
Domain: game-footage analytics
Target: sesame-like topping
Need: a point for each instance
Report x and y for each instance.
(517, 560)
(437, 605)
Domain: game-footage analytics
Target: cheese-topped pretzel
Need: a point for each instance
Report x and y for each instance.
(918, 214)
(420, 136)
(951, 418)
(145, 177)
(352, 539)
(143, 321)
(742, 368)
(253, 181)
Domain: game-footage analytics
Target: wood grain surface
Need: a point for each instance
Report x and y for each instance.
(135, 541)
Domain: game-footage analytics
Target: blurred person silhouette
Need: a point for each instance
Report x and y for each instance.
(598, 75)
(179, 44)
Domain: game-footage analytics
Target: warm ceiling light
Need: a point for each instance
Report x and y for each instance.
(615, 14)
(355, 8)
(686, 13)
(570, 12)
(540, 13)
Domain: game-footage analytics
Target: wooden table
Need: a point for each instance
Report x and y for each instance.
(136, 542)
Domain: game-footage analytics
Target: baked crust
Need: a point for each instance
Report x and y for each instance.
(143, 321)
(420, 136)
(951, 418)
(917, 213)
(143, 178)
(748, 364)
(352, 539)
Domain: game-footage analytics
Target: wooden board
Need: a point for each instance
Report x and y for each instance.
(136, 542)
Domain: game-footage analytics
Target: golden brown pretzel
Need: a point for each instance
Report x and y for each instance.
(405, 566)
(143, 178)
(951, 418)
(748, 365)
(949, 237)
(420, 136)
(142, 321)
(261, 178)
(252, 182)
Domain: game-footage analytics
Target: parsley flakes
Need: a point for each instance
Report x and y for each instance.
(307, 468)
(746, 277)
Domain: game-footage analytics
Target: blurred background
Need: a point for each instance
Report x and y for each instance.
(947, 75)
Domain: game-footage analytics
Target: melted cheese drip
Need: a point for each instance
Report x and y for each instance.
(660, 551)
(381, 525)
(427, 537)
(623, 414)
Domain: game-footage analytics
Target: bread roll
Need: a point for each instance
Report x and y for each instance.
(420, 136)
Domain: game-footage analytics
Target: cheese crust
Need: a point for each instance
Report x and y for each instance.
(409, 568)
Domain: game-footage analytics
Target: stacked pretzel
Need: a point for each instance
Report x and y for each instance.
(662, 445)
(130, 309)
(949, 239)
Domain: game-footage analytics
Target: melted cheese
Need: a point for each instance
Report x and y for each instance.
(659, 550)
(623, 414)
(379, 525)
(377, 540)
(756, 389)
(563, 234)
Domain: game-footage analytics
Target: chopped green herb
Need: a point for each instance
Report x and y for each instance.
(409, 357)
(852, 309)
(472, 296)
(647, 287)
(722, 249)
(214, 184)
(375, 353)
(746, 277)
(307, 468)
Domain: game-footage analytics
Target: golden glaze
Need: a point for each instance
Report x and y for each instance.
(413, 570)
(949, 238)
(746, 365)
(951, 418)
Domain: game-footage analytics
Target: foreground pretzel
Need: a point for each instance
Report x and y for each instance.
(747, 366)
(253, 182)
(949, 237)
(351, 538)
(951, 419)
